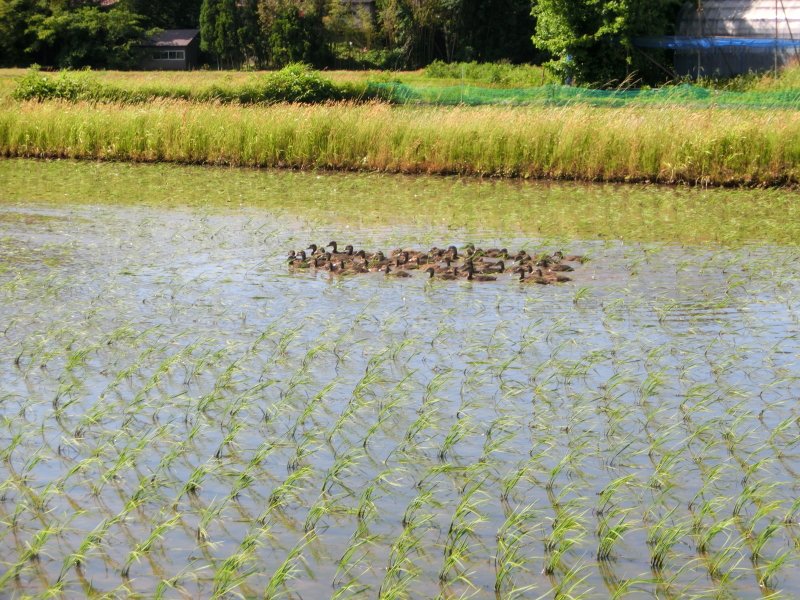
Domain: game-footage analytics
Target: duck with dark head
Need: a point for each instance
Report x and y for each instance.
(472, 277)
(388, 271)
(348, 250)
(442, 276)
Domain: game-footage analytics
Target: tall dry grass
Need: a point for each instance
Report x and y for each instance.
(664, 144)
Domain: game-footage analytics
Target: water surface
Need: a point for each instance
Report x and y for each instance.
(182, 416)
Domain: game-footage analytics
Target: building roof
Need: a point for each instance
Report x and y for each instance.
(172, 38)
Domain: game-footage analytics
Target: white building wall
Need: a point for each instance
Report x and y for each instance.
(737, 18)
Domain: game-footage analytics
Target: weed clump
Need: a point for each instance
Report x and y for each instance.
(295, 83)
(63, 86)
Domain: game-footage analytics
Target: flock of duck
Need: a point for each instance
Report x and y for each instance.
(450, 264)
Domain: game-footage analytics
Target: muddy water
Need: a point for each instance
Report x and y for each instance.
(183, 416)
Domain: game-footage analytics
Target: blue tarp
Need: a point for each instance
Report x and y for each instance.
(678, 42)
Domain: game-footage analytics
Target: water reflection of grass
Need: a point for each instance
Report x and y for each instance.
(593, 211)
(218, 426)
(666, 144)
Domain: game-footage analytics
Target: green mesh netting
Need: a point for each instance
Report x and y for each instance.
(562, 95)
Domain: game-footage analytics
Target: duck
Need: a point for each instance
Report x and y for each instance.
(452, 252)
(388, 271)
(472, 277)
(498, 267)
(573, 258)
(340, 269)
(495, 253)
(412, 253)
(348, 250)
(553, 277)
(399, 259)
(412, 263)
(536, 279)
(359, 267)
(442, 276)
(297, 259)
(561, 268)
(439, 269)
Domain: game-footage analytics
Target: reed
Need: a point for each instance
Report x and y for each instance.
(668, 144)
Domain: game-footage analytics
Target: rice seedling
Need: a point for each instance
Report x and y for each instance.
(568, 531)
(767, 578)
(509, 556)
(610, 535)
(147, 544)
(286, 571)
(662, 539)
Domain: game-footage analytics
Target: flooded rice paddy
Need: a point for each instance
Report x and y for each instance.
(182, 416)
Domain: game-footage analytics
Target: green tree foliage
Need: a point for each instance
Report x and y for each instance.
(174, 14)
(14, 35)
(229, 30)
(350, 24)
(458, 30)
(590, 39)
(87, 37)
(295, 32)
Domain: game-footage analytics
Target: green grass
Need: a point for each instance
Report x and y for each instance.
(658, 144)
(204, 86)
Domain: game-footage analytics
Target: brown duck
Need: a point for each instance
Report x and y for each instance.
(388, 271)
(442, 276)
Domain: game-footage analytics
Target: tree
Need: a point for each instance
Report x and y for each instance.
(229, 29)
(496, 30)
(348, 23)
(591, 38)
(14, 35)
(295, 32)
(459, 30)
(87, 37)
(175, 14)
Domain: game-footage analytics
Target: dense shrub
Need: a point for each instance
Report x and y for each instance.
(63, 86)
(294, 83)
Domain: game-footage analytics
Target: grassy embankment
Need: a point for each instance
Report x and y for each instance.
(666, 144)
(669, 143)
(225, 86)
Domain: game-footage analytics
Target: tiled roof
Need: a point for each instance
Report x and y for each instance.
(173, 37)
